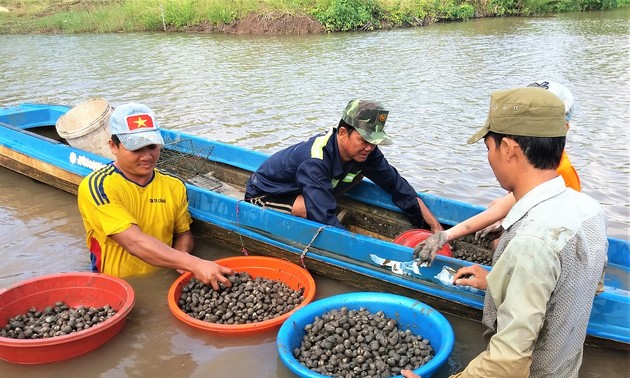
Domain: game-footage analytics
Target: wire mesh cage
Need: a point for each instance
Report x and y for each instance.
(184, 158)
(190, 161)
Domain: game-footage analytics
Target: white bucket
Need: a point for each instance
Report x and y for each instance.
(86, 126)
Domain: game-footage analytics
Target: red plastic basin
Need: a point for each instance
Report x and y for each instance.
(411, 238)
(75, 289)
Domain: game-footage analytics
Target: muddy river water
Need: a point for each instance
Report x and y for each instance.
(267, 92)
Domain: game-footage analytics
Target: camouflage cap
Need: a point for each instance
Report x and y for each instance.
(529, 111)
(368, 118)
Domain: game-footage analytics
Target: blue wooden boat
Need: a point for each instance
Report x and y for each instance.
(362, 256)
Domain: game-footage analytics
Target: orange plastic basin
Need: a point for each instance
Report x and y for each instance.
(411, 238)
(75, 289)
(291, 274)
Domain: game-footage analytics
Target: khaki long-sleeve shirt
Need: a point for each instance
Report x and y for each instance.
(546, 269)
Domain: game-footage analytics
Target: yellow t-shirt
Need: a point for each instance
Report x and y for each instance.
(109, 203)
(568, 173)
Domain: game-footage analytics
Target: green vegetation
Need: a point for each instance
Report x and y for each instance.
(80, 16)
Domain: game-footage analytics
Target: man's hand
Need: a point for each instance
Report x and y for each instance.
(409, 374)
(429, 218)
(436, 227)
(474, 276)
(426, 250)
(211, 273)
(489, 233)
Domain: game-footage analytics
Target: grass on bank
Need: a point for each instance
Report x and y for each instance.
(81, 16)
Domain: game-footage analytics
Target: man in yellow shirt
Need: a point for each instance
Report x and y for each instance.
(136, 217)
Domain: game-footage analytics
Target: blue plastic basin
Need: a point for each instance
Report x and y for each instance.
(409, 313)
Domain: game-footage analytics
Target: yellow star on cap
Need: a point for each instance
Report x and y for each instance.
(141, 122)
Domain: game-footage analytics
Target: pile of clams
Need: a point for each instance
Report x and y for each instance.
(248, 300)
(57, 320)
(473, 255)
(475, 251)
(357, 343)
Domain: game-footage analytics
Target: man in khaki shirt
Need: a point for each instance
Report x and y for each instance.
(552, 255)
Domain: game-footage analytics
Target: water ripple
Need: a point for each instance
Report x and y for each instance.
(267, 92)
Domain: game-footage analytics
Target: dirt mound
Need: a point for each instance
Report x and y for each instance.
(269, 23)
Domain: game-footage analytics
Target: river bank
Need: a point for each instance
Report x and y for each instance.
(262, 17)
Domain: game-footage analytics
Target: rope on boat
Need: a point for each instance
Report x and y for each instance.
(304, 251)
(303, 255)
(240, 236)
